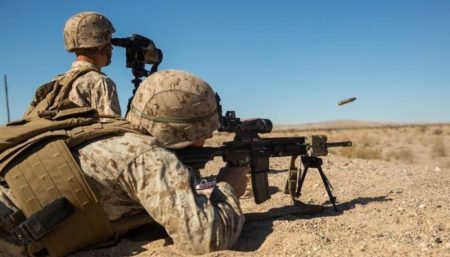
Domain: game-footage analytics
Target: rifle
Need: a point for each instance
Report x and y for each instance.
(248, 148)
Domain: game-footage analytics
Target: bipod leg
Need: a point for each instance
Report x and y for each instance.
(315, 162)
(301, 180)
(328, 187)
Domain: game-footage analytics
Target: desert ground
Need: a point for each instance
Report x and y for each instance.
(392, 188)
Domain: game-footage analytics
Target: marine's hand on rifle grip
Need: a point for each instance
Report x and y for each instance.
(236, 177)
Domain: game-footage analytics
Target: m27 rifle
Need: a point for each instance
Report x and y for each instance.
(248, 148)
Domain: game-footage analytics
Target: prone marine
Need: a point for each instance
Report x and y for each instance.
(72, 182)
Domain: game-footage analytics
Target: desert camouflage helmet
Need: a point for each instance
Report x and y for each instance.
(86, 30)
(176, 107)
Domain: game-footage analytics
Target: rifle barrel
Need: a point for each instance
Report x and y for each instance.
(339, 144)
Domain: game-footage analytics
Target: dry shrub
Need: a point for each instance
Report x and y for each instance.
(403, 130)
(422, 129)
(437, 131)
(409, 139)
(360, 152)
(341, 136)
(366, 140)
(289, 131)
(401, 154)
(387, 131)
(438, 149)
(365, 144)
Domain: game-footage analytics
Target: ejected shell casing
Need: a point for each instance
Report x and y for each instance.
(346, 101)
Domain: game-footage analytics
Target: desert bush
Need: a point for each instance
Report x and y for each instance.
(359, 152)
(365, 144)
(290, 131)
(400, 154)
(422, 129)
(437, 131)
(438, 148)
(409, 139)
(366, 140)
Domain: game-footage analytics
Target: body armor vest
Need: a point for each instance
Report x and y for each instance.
(53, 95)
(61, 210)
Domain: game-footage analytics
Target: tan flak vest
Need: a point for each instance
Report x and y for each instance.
(36, 163)
(53, 95)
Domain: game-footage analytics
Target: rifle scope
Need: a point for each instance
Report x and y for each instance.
(230, 123)
(139, 51)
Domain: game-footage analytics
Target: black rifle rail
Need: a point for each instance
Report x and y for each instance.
(257, 153)
(240, 153)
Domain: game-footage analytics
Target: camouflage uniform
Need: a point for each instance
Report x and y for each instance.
(96, 90)
(131, 173)
(89, 30)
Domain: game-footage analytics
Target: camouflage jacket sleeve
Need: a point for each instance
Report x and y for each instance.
(98, 91)
(197, 223)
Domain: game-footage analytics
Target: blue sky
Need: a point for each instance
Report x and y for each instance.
(289, 61)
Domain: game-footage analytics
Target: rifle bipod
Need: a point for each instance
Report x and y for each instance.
(294, 179)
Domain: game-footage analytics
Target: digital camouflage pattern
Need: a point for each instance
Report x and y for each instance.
(94, 89)
(176, 107)
(131, 173)
(87, 30)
